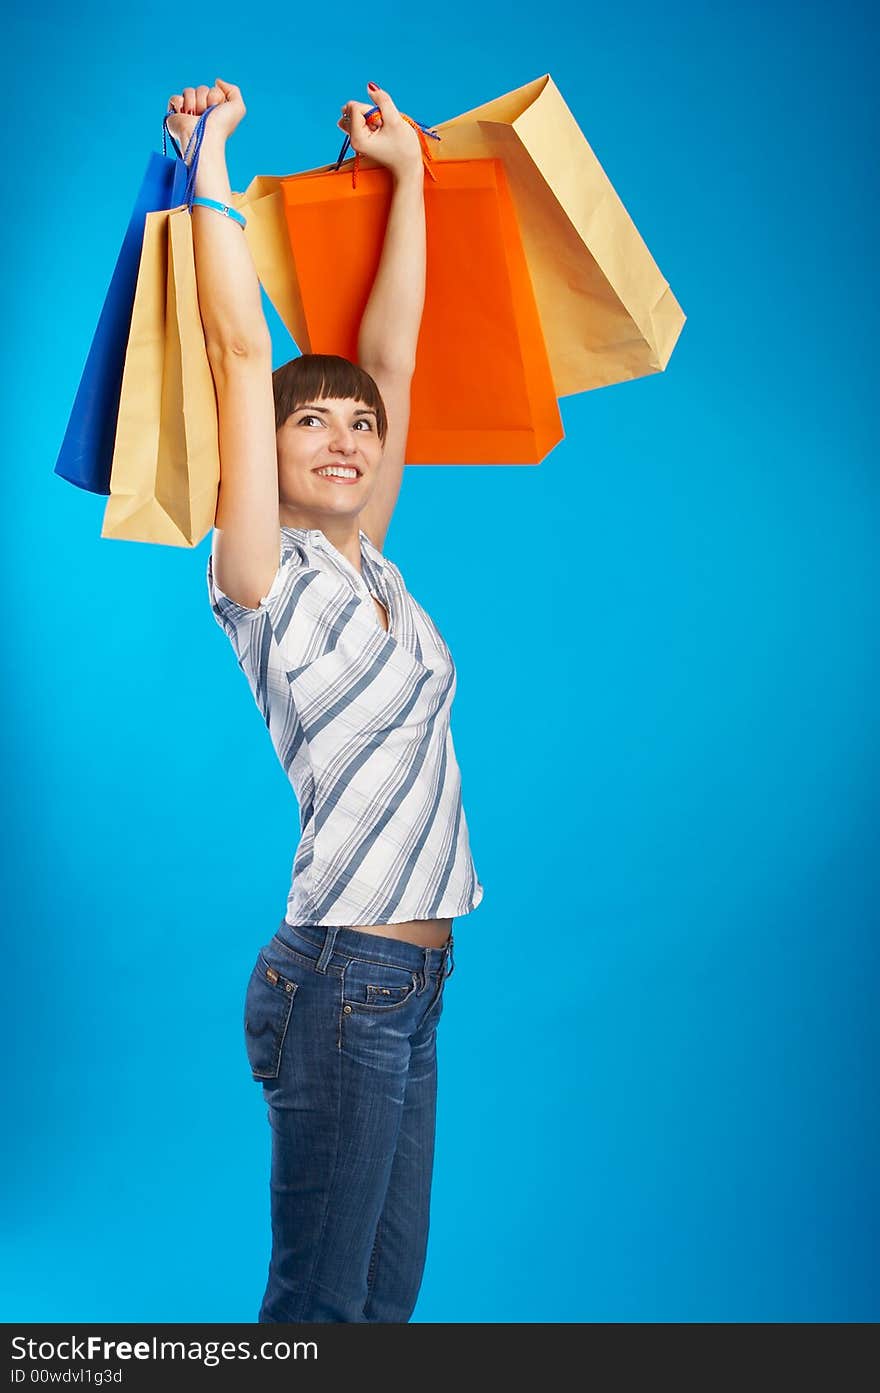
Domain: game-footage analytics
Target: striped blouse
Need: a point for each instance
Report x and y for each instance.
(360, 720)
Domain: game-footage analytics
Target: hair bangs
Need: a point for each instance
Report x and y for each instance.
(316, 376)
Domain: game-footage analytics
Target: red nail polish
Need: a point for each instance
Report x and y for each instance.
(373, 86)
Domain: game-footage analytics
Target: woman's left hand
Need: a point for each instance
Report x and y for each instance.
(392, 143)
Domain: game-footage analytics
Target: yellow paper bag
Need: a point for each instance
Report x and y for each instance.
(606, 311)
(269, 245)
(165, 475)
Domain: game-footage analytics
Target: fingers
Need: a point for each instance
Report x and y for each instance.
(355, 121)
(193, 101)
(381, 98)
(352, 120)
(354, 112)
(387, 113)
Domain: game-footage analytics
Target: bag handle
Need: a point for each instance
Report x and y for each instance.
(421, 131)
(198, 135)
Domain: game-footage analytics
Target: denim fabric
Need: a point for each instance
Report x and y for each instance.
(340, 1031)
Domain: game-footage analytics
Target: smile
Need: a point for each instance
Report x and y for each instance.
(339, 473)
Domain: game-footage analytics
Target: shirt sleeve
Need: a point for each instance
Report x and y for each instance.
(251, 633)
(231, 615)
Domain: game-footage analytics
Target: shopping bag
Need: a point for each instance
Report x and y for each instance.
(270, 249)
(482, 391)
(87, 449)
(165, 474)
(607, 313)
(188, 473)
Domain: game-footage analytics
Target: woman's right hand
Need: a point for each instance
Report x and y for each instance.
(192, 102)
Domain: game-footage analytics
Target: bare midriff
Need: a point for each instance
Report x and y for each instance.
(428, 933)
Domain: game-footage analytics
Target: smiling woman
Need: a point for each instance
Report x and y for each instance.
(355, 684)
(329, 450)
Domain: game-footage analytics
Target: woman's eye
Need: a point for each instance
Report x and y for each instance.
(307, 418)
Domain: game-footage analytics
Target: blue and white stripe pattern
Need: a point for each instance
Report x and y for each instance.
(360, 720)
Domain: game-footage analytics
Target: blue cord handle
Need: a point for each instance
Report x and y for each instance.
(198, 136)
(372, 111)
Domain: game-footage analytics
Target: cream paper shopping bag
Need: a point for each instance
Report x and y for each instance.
(165, 476)
(607, 312)
(266, 232)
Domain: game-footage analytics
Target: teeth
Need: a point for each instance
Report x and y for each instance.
(337, 472)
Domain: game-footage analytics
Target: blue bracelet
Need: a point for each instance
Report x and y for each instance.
(221, 208)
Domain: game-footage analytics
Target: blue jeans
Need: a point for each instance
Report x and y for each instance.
(340, 1032)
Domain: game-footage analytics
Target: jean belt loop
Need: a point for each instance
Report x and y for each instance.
(449, 948)
(327, 950)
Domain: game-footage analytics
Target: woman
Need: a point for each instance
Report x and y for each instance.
(355, 684)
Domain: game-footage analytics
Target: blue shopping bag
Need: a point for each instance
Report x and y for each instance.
(87, 450)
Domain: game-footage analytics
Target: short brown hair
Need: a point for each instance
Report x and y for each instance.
(314, 376)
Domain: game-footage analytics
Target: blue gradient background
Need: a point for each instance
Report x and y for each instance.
(658, 1094)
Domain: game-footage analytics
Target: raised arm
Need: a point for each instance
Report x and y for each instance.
(389, 329)
(246, 541)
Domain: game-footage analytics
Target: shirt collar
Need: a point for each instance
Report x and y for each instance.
(309, 535)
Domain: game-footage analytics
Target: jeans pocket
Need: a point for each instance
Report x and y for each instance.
(377, 986)
(267, 1007)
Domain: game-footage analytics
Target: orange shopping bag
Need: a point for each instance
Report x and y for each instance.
(482, 391)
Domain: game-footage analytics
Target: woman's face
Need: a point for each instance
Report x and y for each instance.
(335, 433)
